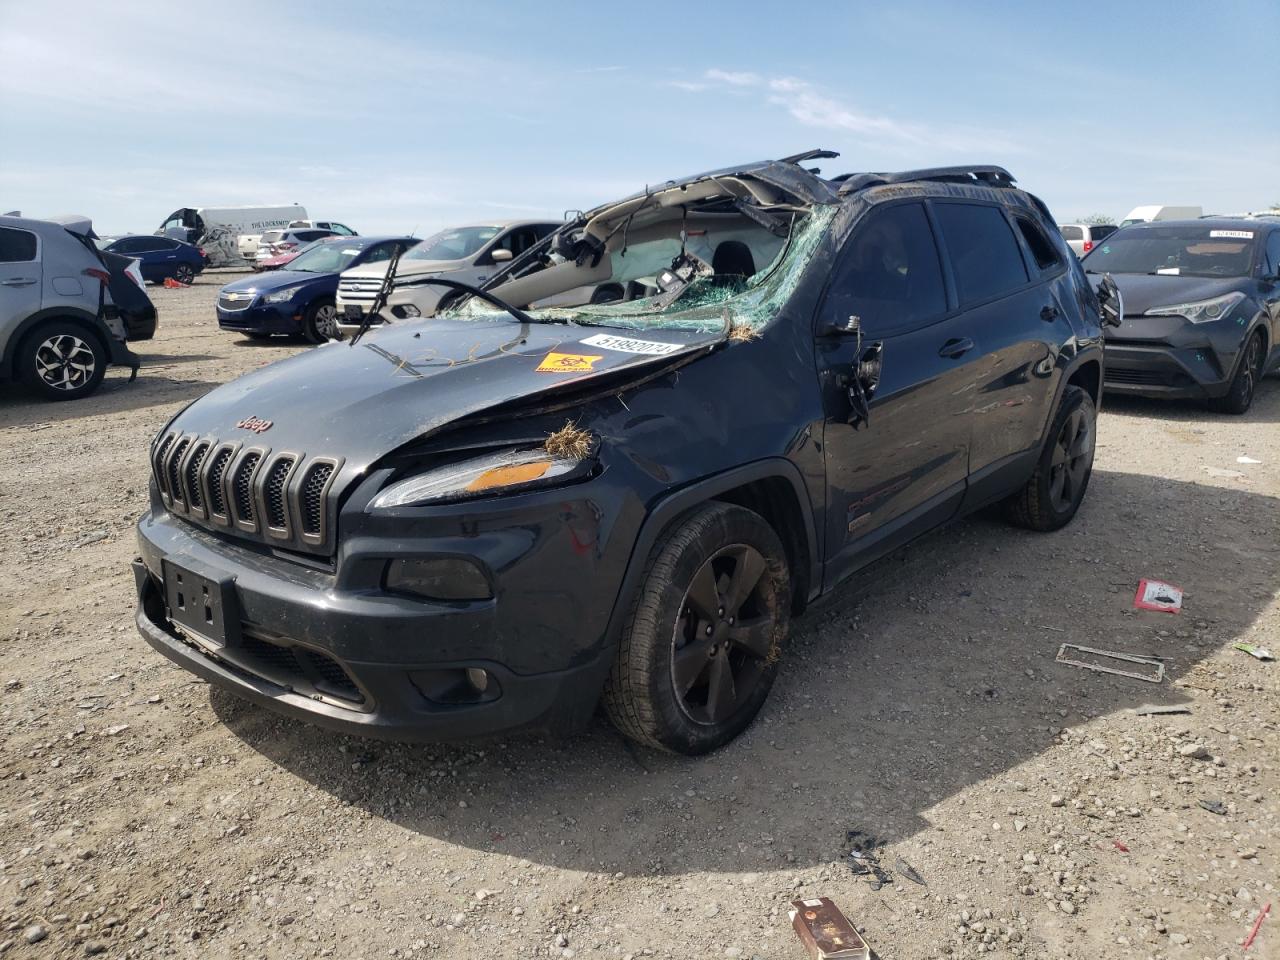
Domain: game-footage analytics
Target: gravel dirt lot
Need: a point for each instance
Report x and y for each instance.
(143, 813)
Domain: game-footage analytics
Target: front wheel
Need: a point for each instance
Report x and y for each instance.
(320, 323)
(1244, 384)
(1055, 491)
(60, 360)
(700, 647)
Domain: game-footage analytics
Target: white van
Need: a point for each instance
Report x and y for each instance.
(1158, 212)
(217, 229)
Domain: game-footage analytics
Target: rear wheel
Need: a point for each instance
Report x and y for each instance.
(1245, 383)
(184, 273)
(320, 323)
(1055, 491)
(61, 360)
(700, 648)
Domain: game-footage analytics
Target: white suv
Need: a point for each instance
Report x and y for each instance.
(58, 327)
(469, 254)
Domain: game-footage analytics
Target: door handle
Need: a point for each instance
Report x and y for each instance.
(17, 282)
(1049, 313)
(955, 347)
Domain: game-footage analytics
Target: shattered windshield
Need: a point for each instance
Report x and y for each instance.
(455, 244)
(735, 292)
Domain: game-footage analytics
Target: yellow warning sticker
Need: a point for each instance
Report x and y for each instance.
(567, 363)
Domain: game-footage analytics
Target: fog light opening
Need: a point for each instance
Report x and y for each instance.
(479, 679)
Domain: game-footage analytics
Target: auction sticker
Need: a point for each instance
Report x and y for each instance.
(1233, 234)
(567, 363)
(626, 345)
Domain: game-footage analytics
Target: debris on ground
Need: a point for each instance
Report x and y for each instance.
(1261, 653)
(1214, 806)
(1224, 474)
(1158, 595)
(908, 871)
(1096, 654)
(864, 858)
(1247, 460)
(1161, 710)
(1247, 942)
(825, 932)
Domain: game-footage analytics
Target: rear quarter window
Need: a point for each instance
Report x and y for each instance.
(17, 246)
(1042, 249)
(984, 253)
(1072, 233)
(1102, 230)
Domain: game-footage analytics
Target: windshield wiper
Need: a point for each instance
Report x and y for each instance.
(485, 295)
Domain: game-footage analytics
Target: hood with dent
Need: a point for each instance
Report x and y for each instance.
(363, 401)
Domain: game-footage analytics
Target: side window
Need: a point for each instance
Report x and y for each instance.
(1072, 233)
(889, 273)
(127, 245)
(342, 229)
(543, 229)
(1042, 249)
(1101, 231)
(984, 254)
(17, 246)
(1272, 258)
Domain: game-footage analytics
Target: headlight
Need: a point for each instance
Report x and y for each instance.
(280, 296)
(409, 310)
(1202, 311)
(497, 472)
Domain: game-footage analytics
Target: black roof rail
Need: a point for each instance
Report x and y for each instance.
(818, 154)
(986, 175)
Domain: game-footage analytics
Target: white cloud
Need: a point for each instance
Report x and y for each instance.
(811, 108)
(735, 79)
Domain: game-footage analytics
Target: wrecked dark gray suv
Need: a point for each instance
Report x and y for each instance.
(500, 516)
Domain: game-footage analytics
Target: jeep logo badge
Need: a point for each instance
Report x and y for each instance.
(254, 424)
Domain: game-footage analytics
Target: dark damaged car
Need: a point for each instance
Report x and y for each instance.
(1202, 309)
(501, 516)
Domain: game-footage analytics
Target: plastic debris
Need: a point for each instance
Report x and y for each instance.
(1071, 661)
(1224, 474)
(1119, 846)
(908, 871)
(864, 858)
(1247, 460)
(1158, 595)
(825, 932)
(1247, 942)
(1214, 806)
(1261, 653)
(1161, 710)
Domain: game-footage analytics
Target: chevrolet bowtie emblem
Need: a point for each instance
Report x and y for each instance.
(254, 424)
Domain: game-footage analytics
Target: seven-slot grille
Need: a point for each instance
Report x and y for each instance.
(280, 498)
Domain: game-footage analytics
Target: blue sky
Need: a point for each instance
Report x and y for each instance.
(403, 116)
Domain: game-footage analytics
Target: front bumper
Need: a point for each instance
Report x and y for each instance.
(262, 318)
(329, 645)
(1173, 358)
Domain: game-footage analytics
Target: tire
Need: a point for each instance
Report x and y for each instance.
(320, 322)
(184, 273)
(61, 360)
(1057, 488)
(1239, 398)
(684, 627)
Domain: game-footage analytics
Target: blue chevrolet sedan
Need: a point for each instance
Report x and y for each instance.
(299, 298)
(160, 258)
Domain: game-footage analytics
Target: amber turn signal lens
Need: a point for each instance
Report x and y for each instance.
(509, 475)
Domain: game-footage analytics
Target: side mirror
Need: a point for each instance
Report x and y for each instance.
(501, 255)
(1111, 301)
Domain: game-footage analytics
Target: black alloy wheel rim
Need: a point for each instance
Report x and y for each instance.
(724, 634)
(65, 362)
(184, 273)
(1072, 457)
(1252, 366)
